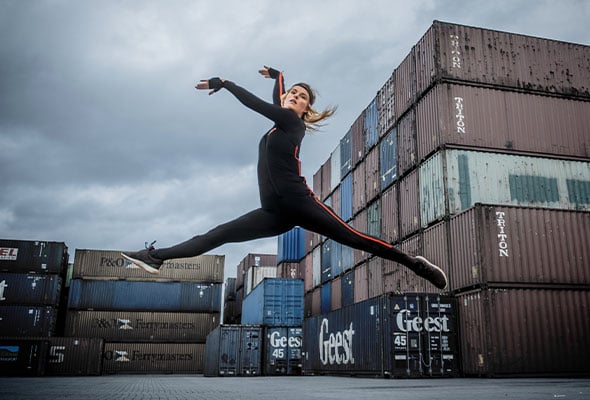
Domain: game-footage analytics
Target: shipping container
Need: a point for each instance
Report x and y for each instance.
(390, 214)
(482, 56)
(413, 335)
(274, 302)
(347, 288)
(129, 326)
(346, 198)
(359, 192)
(74, 356)
(358, 139)
(293, 270)
(234, 350)
(144, 296)
(373, 174)
(255, 275)
(153, 358)
(375, 276)
(326, 297)
(545, 332)
(282, 351)
(316, 301)
(27, 321)
(374, 219)
(326, 261)
(336, 254)
(361, 283)
(503, 120)
(23, 357)
(308, 278)
(388, 159)
(110, 264)
(409, 203)
(519, 245)
(347, 258)
(230, 289)
(335, 168)
(326, 179)
(336, 293)
(385, 106)
(345, 155)
(316, 255)
(232, 312)
(30, 289)
(453, 180)
(291, 246)
(371, 131)
(360, 224)
(405, 84)
(23, 256)
(407, 150)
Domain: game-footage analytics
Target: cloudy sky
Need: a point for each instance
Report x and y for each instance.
(105, 143)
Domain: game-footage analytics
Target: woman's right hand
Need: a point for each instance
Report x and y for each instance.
(213, 83)
(269, 72)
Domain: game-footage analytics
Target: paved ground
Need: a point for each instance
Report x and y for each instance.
(176, 387)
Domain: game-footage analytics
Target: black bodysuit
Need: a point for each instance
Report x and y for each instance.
(286, 200)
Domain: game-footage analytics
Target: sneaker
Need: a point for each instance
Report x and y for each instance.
(431, 273)
(144, 259)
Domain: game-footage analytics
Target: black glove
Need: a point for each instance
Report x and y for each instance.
(216, 84)
(273, 73)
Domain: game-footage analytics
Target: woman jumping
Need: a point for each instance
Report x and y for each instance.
(286, 200)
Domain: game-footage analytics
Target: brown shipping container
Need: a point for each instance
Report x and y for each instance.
(307, 304)
(326, 173)
(409, 204)
(359, 223)
(450, 51)
(361, 283)
(358, 139)
(316, 301)
(153, 358)
(500, 119)
(390, 215)
(308, 278)
(373, 184)
(109, 264)
(291, 270)
(317, 182)
(436, 247)
(385, 106)
(405, 84)
(336, 293)
(519, 245)
(336, 199)
(240, 272)
(406, 142)
(359, 197)
(375, 276)
(122, 326)
(545, 331)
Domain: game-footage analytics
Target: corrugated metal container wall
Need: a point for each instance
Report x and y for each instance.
(316, 301)
(436, 247)
(360, 223)
(346, 198)
(293, 270)
(499, 119)
(230, 288)
(499, 58)
(388, 159)
(374, 219)
(222, 351)
(307, 304)
(409, 203)
(120, 326)
(546, 333)
(359, 192)
(153, 358)
(373, 174)
(109, 264)
(291, 246)
(336, 293)
(347, 287)
(308, 279)
(345, 154)
(389, 215)
(317, 182)
(336, 200)
(27, 321)
(347, 258)
(469, 177)
(519, 245)
(326, 169)
(259, 260)
(316, 266)
(407, 150)
(361, 283)
(23, 357)
(144, 296)
(30, 289)
(240, 272)
(282, 351)
(326, 262)
(375, 276)
(405, 84)
(335, 162)
(70, 356)
(371, 125)
(33, 256)
(385, 104)
(336, 262)
(358, 139)
(326, 297)
(274, 302)
(255, 275)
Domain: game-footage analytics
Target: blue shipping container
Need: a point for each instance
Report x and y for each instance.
(347, 288)
(326, 260)
(291, 246)
(347, 258)
(326, 298)
(144, 296)
(282, 351)
(274, 302)
(388, 159)
(30, 289)
(336, 257)
(234, 350)
(346, 198)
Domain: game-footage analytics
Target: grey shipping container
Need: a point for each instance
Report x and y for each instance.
(30, 289)
(33, 256)
(518, 245)
(389, 335)
(23, 357)
(544, 333)
(500, 119)
(457, 52)
(282, 351)
(129, 326)
(234, 350)
(144, 296)
(454, 180)
(109, 264)
(27, 321)
(153, 358)
(274, 302)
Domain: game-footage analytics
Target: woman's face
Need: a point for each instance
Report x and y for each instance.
(297, 99)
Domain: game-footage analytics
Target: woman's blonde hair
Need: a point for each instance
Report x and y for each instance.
(312, 117)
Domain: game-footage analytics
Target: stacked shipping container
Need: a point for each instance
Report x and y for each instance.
(150, 324)
(470, 116)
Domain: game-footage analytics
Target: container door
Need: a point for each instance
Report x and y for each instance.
(406, 357)
(251, 351)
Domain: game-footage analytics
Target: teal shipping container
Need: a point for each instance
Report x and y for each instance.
(274, 302)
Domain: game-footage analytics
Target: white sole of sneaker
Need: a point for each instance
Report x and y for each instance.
(141, 265)
(437, 268)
